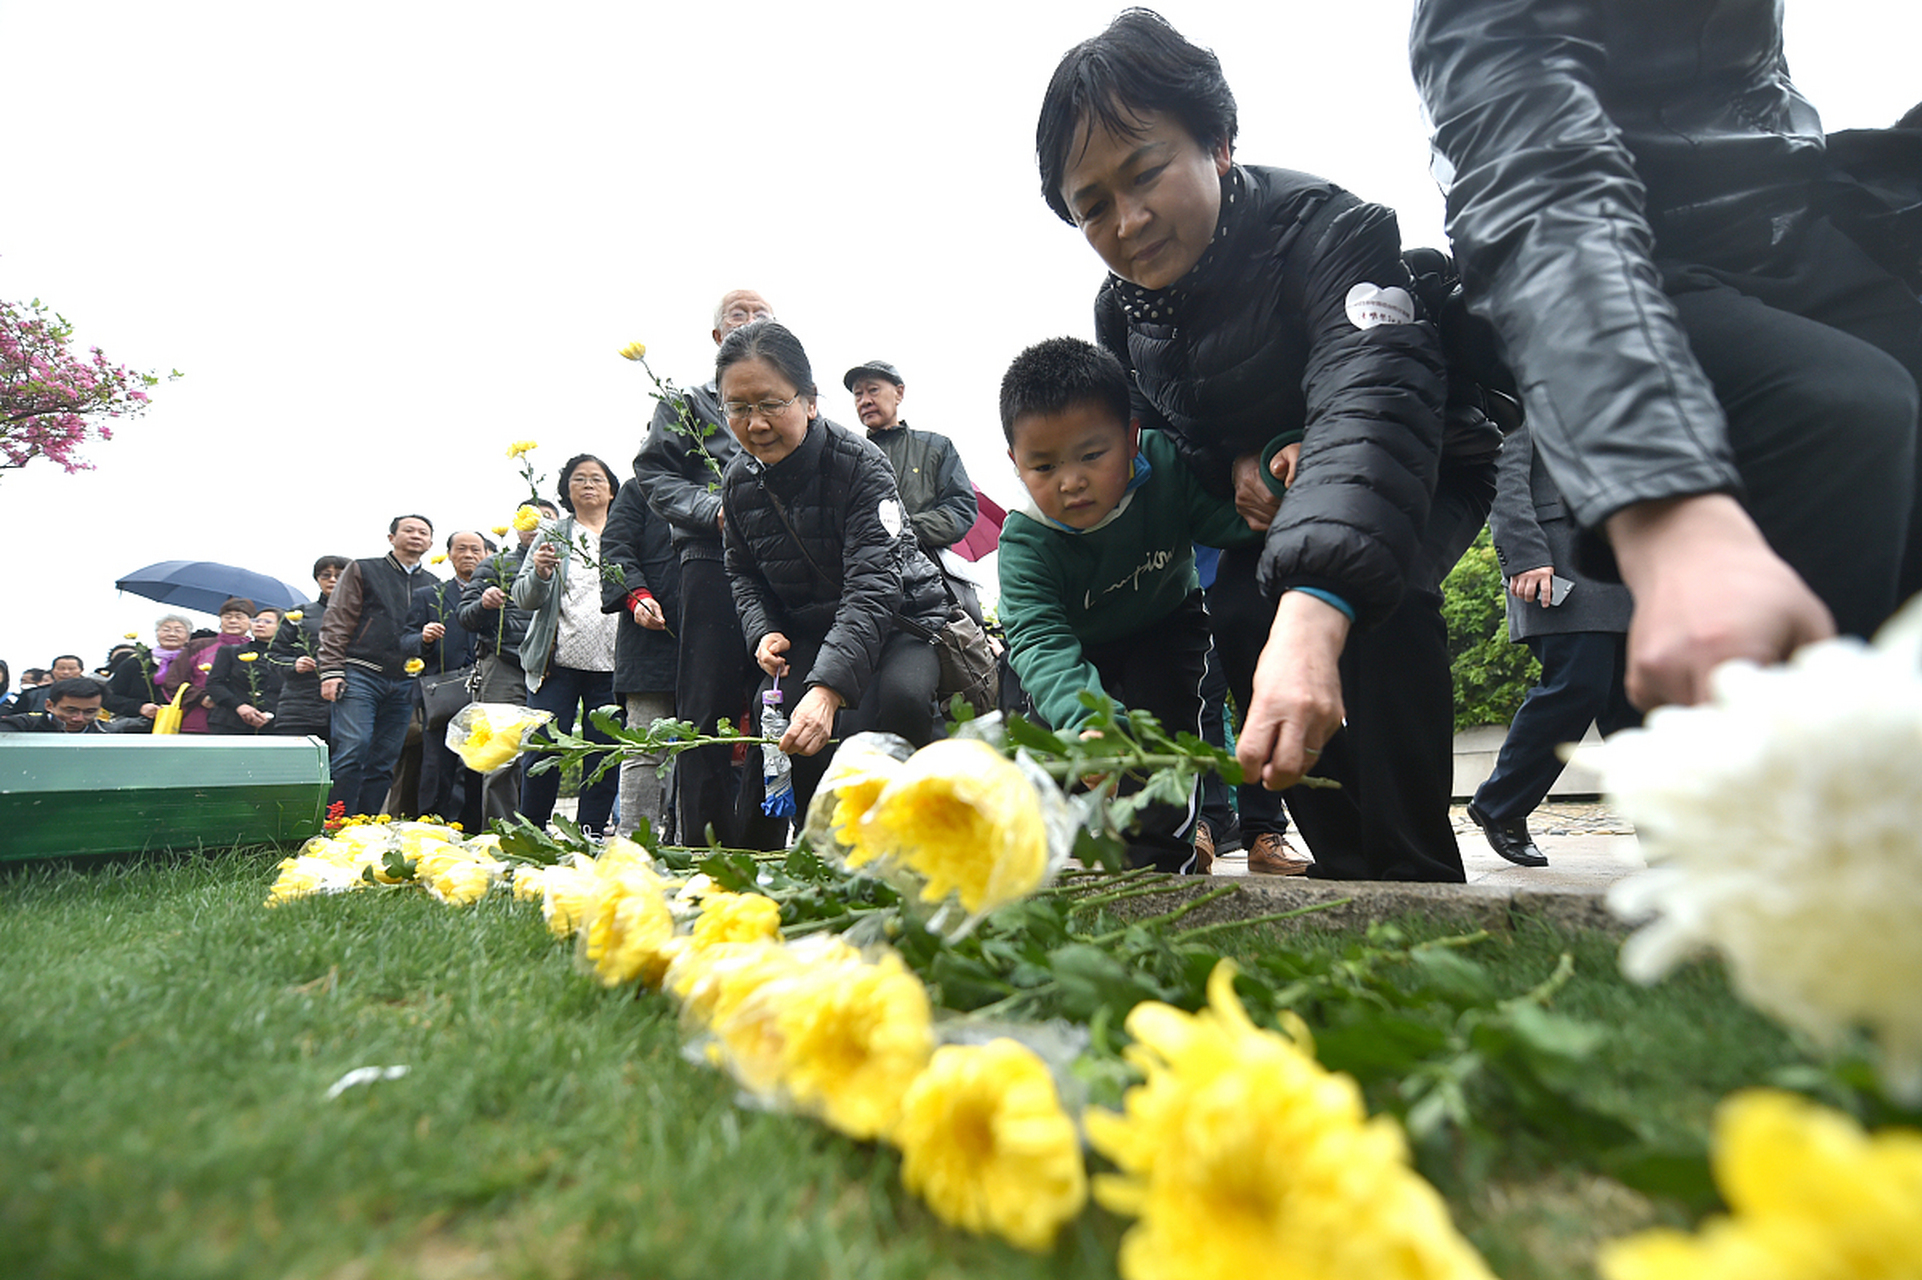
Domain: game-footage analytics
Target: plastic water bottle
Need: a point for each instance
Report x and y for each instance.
(777, 771)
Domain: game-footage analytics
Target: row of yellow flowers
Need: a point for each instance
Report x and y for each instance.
(1236, 1151)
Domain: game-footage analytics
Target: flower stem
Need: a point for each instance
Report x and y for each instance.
(1167, 917)
(1202, 930)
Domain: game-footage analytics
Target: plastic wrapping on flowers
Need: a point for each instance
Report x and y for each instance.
(957, 826)
(490, 736)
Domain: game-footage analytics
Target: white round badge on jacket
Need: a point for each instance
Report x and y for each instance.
(1370, 305)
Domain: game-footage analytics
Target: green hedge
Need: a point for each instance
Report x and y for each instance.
(1490, 674)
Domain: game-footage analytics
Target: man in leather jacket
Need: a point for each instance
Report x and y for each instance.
(1715, 374)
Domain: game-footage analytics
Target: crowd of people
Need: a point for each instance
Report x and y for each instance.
(1707, 310)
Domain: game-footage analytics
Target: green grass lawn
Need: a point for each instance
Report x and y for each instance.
(167, 1044)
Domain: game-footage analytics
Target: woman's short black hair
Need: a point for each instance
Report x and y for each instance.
(772, 341)
(1139, 64)
(1057, 373)
(567, 470)
(337, 563)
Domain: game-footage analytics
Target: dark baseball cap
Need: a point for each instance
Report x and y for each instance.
(873, 368)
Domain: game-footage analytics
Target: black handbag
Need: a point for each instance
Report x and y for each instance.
(443, 694)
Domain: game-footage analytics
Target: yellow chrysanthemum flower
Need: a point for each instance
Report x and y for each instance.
(133, 635)
(500, 530)
(1240, 1148)
(413, 666)
(307, 874)
(712, 982)
(985, 1143)
(249, 656)
(520, 447)
(460, 881)
(965, 819)
(527, 518)
(1813, 1197)
(634, 350)
(627, 932)
(296, 615)
(565, 894)
(854, 780)
(841, 1042)
(495, 734)
(736, 917)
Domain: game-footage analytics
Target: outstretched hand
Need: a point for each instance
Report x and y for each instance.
(1297, 704)
(1707, 589)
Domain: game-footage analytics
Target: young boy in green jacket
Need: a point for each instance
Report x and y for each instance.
(1098, 585)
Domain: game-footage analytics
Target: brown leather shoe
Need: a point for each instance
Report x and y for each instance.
(1204, 849)
(1270, 855)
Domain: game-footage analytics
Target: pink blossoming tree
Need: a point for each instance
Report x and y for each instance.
(51, 398)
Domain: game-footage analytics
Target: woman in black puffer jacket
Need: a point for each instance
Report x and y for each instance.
(821, 559)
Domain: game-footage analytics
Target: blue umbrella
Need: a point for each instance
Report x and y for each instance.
(203, 585)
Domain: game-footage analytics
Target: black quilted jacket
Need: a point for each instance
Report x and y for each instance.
(1259, 348)
(854, 567)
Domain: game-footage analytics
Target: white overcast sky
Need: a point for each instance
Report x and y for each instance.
(384, 240)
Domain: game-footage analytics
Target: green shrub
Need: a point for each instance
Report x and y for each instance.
(1490, 675)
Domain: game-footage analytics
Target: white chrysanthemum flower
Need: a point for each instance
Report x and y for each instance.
(1782, 822)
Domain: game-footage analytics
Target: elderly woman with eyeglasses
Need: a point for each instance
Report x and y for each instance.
(568, 654)
(835, 598)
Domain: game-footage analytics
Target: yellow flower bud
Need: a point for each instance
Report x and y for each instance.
(133, 635)
(247, 657)
(439, 559)
(634, 350)
(413, 666)
(296, 615)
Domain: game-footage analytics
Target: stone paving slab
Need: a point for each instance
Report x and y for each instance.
(1588, 846)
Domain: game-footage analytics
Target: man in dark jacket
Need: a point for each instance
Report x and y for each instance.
(1716, 375)
(646, 654)
(679, 469)
(435, 635)
(300, 710)
(362, 667)
(73, 706)
(1580, 638)
(934, 485)
(1271, 330)
(498, 628)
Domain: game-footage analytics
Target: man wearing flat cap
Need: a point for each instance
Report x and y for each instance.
(934, 485)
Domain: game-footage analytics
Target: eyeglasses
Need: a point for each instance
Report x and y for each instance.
(741, 315)
(738, 412)
(588, 480)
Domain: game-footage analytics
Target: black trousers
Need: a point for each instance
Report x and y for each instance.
(1581, 685)
(1159, 670)
(1815, 353)
(899, 699)
(716, 679)
(1394, 757)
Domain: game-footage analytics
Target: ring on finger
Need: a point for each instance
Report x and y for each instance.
(1313, 753)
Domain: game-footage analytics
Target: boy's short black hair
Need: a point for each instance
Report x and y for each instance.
(1139, 64)
(1052, 375)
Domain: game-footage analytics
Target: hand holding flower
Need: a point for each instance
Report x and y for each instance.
(813, 722)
